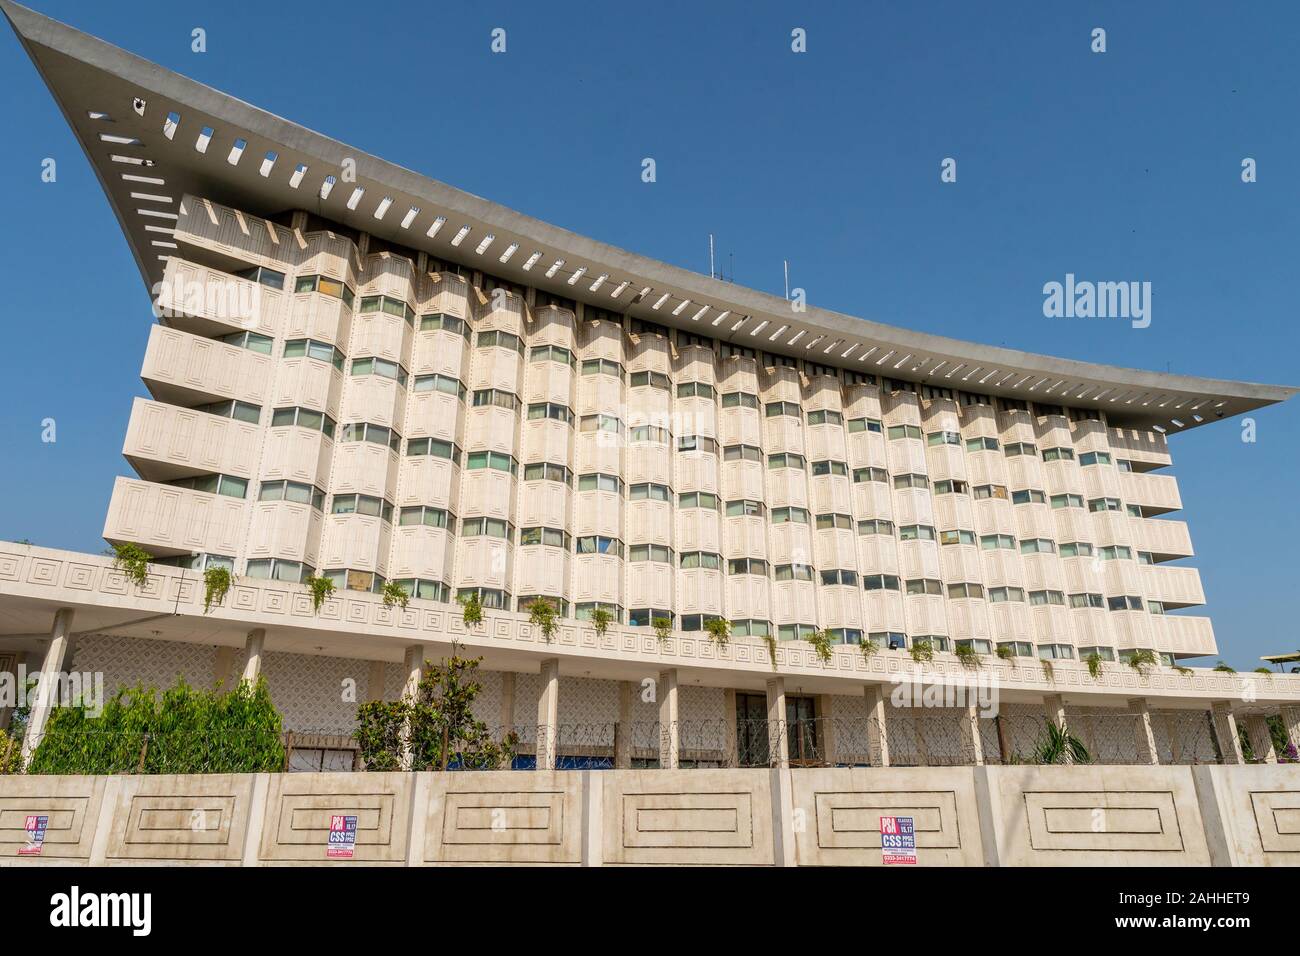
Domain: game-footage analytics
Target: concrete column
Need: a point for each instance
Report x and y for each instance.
(731, 751)
(413, 666)
(826, 737)
(970, 721)
(877, 726)
(1225, 731)
(1291, 724)
(670, 741)
(507, 717)
(1261, 741)
(51, 668)
(623, 731)
(225, 659)
(1054, 707)
(778, 740)
(548, 715)
(253, 648)
(1143, 731)
(375, 681)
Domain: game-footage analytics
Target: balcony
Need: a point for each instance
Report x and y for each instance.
(1165, 538)
(185, 369)
(1183, 635)
(165, 520)
(1174, 586)
(164, 442)
(232, 238)
(1156, 494)
(213, 303)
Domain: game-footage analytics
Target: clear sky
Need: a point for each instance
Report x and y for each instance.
(1123, 165)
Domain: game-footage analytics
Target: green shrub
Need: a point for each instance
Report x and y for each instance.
(186, 730)
(1141, 659)
(1059, 746)
(1225, 668)
(394, 593)
(471, 609)
(868, 648)
(1094, 663)
(770, 641)
(600, 620)
(133, 561)
(216, 584)
(1006, 652)
(663, 629)
(544, 616)
(966, 654)
(922, 652)
(321, 588)
(821, 645)
(719, 630)
(1048, 669)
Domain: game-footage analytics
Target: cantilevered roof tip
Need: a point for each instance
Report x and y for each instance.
(153, 136)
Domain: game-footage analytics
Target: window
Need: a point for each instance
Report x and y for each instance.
(551, 353)
(545, 537)
(277, 569)
(865, 425)
(775, 409)
(1076, 549)
(583, 611)
(795, 632)
(325, 286)
(825, 417)
(1028, 496)
(1105, 504)
(1085, 600)
(649, 491)
(434, 447)
(840, 577)
(747, 566)
(821, 468)
(1146, 557)
(700, 443)
(227, 485)
(875, 526)
(441, 322)
(994, 542)
(924, 586)
(361, 505)
(828, 522)
(650, 434)
(790, 514)
(1037, 546)
(264, 276)
(1001, 595)
(646, 616)
(660, 553)
(496, 398)
(524, 603)
(303, 418)
(742, 453)
(951, 486)
(321, 351)
(696, 622)
(1124, 603)
(251, 341)
(858, 378)
(916, 532)
(793, 572)
(439, 383)
(381, 367)
(598, 544)
(911, 481)
(1133, 511)
(500, 340)
(880, 582)
(494, 460)
(982, 444)
(1067, 501)
(739, 400)
(965, 590)
(598, 482)
(1056, 652)
(894, 640)
(1058, 454)
(600, 366)
(1123, 464)
(990, 491)
(786, 460)
(1103, 653)
(691, 560)
(375, 434)
(642, 327)
(745, 508)
(239, 411)
(650, 379)
(1045, 598)
(957, 537)
(1116, 552)
(737, 351)
(1017, 648)
(197, 561)
(698, 499)
(938, 641)
(870, 474)
(751, 628)
(428, 516)
(696, 390)
(487, 527)
(295, 491)
(389, 305)
(551, 410)
(1156, 607)
(488, 597)
(844, 635)
(904, 431)
(1016, 449)
(547, 471)
(942, 438)
(1094, 458)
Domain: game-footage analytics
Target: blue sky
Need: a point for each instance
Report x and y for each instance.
(1117, 166)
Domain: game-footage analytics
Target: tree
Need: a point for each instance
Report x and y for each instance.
(438, 725)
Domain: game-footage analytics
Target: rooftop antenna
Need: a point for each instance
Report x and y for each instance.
(712, 274)
(786, 262)
(732, 257)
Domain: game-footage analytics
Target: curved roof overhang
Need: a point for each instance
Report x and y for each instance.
(146, 164)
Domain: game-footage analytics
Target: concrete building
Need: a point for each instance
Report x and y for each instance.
(361, 374)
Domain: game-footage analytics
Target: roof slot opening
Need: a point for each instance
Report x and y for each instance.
(268, 163)
(326, 186)
(205, 137)
(170, 124)
(299, 171)
(237, 152)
